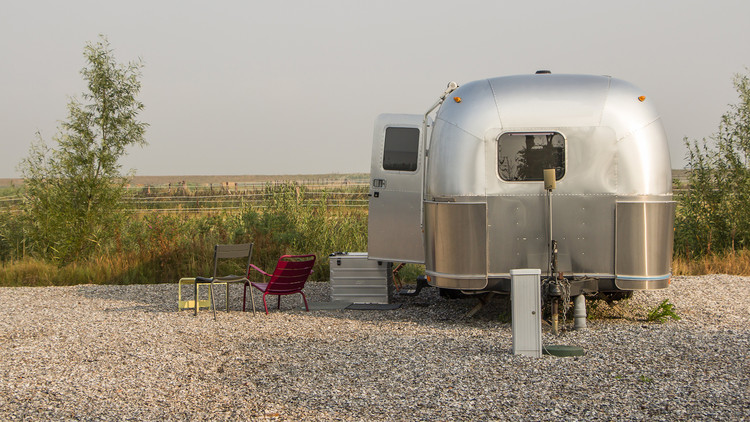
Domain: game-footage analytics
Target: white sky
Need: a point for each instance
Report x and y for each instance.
(293, 87)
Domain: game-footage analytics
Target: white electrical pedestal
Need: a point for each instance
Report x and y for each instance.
(525, 294)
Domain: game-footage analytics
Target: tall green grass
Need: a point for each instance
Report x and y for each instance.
(155, 247)
(162, 247)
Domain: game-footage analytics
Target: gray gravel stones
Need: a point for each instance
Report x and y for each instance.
(125, 353)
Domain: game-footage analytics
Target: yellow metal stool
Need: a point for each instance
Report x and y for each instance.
(190, 304)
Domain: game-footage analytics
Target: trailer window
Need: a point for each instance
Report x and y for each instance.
(401, 148)
(524, 156)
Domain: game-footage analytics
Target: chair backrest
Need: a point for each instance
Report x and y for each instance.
(239, 250)
(290, 274)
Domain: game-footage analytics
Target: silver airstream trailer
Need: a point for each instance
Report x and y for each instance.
(461, 188)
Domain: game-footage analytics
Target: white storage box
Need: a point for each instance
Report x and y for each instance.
(526, 302)
(356, 279)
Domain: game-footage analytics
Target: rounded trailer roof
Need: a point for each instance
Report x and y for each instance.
(547, 101)
(619, 142)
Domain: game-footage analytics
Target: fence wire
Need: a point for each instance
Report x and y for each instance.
(181, 198)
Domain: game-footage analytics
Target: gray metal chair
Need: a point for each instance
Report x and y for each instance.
(225, 252)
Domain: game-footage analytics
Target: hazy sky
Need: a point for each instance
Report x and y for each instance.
(287, 87)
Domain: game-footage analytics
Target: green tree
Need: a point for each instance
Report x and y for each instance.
(713, 213)
(73, 193)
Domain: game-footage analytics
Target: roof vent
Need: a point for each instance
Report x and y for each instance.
(543, 72)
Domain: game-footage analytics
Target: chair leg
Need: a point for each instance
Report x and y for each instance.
(244, 297)
(265, 305)
(213, 302)
(196, 297)
(278, 303)
(305, 299)
(227, 297)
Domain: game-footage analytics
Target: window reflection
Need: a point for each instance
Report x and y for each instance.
(524, 156)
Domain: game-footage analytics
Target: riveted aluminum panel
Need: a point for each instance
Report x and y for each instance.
(456, 244)
(555, 100)
(644, 242)
(456, 162)
(517, 233)
(476, 112)
(643, 162)
(623, 110)
(582, 225)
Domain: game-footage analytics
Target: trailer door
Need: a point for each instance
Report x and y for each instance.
(396, 180)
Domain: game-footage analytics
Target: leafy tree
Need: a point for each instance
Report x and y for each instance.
(73, 193)
(713, 213)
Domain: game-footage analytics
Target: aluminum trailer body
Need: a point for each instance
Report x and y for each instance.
(464, 194)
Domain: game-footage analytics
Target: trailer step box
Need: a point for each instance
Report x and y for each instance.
(357, 279)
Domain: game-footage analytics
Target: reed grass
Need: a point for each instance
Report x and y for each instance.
(733, 262)
(163, 247)
(155, 247)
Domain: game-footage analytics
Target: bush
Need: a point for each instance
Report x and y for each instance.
(712, 215)
(662, 312)
(72, 194)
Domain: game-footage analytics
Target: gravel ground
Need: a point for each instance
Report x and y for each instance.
(125, 353)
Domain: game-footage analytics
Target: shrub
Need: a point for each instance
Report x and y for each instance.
(662, 312)
(712, 215)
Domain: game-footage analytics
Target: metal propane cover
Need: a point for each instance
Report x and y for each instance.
(527, 313)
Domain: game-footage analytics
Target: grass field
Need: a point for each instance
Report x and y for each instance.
(173, 221)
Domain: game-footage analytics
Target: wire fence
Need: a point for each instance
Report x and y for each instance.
(225, 197)
(182, 197)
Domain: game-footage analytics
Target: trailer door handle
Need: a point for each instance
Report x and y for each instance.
(378, 183)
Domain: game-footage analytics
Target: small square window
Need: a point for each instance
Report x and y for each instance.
(401, 150)
(524, 156)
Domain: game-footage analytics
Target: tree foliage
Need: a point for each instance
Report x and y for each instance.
(715, 212)
(73, 192)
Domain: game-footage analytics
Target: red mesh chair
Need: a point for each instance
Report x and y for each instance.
(288, 278)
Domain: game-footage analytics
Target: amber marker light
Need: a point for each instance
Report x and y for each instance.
(642, 98)
(457, 99)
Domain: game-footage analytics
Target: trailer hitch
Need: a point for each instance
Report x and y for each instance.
(421, 283)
